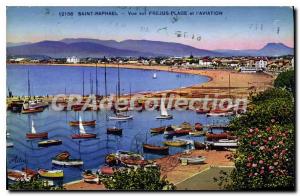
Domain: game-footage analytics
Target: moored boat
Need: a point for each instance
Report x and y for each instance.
(216, 136)
(114, 130)
(17, 175)
(175, 143)
(120, 117)
(158, 130)
(197, 133)
(89, 176)
(91, 123)
(82, 134)
(47, 143)
(9, 144)
(51, 173)
(193, 160)
(106, 170)
(32, 110)
(156, 149)
(35, 135)
(198, 127)
(212, 114)
(63, 156)
(68, 162)
(163, 112)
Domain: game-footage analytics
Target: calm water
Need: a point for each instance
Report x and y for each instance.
(53, 80)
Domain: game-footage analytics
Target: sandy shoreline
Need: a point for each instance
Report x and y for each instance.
(222, 83)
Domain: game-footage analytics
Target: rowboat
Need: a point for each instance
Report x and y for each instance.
(133, 162)
(89, 176)
(193, 160)
(216, 136)
(106, 170)
(212, 114)
(120, 117)
(158, 130)
(182, 131)
(17, 175)
(114, 130)
(32, 110)
(198, 127)
(35, 135)
(9, 144)
(51, 173)
(68, 162)
(197, 133)
(82, 134)
(224, 144)
(227, 140)
(47, 143)
(175, 143)
(199, 145)
(84, 123)
(63, 156)
(156, 149)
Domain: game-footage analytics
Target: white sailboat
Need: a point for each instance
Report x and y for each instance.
(81, 127)
(163, 112)
(154, 76)
(33, 131)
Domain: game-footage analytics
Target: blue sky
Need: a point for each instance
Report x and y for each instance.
(236, 28)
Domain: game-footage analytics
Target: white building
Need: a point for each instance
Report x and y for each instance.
(261, 64)
(205, 62)
(73, 59)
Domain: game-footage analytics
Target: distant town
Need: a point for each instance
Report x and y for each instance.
(243, 64)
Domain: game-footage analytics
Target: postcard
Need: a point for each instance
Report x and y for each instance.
(150, 98)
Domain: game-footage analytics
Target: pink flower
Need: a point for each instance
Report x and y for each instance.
(262, 171)
(275, 155)
(250, 130)
(254, 165)
(272, 120)
(270, 138)
(262, 148)
(281, 142)
(255, 174)
(248, 164)
(254, 143)
(268, 129)
(271, 167)
(250, 158)
(261, 162)
(262, 168)
(272, 171)
(256, 129)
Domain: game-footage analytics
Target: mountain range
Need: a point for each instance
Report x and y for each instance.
(84, 47)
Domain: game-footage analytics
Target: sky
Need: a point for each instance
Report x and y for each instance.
(227, 28)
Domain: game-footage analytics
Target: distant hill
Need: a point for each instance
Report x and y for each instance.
(270, 49)
(9, 44)
(84, 47)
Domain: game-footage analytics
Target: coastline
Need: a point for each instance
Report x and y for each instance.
(221, 83)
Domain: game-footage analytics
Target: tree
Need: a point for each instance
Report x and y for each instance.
(144, 179)
(286, 80)
(33, 185)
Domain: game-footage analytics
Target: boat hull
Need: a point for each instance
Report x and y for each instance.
(84, 123)
(49, 143)
(114, 131)
(175, 143)
(67, 162)
(156, 149)
(43, 135)
(84, 136)
(164, 117)
(120, 118)
(51, 174)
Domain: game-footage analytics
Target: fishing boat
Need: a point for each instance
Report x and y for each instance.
(156, 149)
(193, 160)
(67, 162)
(91, 123)
(47, 143)
(154, 76)
(63, 155)
(175, 143)
(114, 130)
(158, 130)
(32, 110)
(35, 135)
(35, 104)
(215, 114)
(9, 144)
(197, 133)
(89, 176)
(17, 175)
(120, 117)
(216, 136)
(163, 112)
(198, 127)
(106, 170)
(82, 134)
(199, 145)
(51, 173)
(121, 153)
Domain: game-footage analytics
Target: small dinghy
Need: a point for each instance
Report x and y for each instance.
(63, 159)
(51, 173)
(197, 133)
(176, 143)
(9, 144)
(156, 149)
(158, 130)
(17, 175)
(114, 131)
(84, 123)
(120, 117)
(82, 134)
(163, 112)
(193, 160)
(106, 170)
(47, 143)
(90, 177)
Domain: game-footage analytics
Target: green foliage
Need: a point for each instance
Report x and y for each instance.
(144, 179)
(286, 80)
(264, 159)
(34, 185)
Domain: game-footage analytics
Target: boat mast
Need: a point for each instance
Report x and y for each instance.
(91, 84)
(105, 81)
(83, 83)
(28, 85)
(119, 90)
(96, 80)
